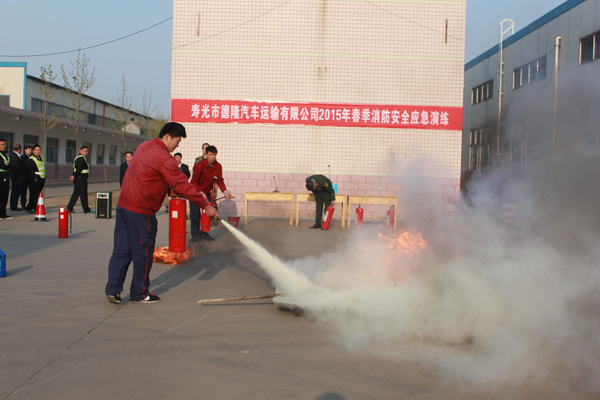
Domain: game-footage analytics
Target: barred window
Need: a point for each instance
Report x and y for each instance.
(100, 154)
(529, 73)
(482, 92)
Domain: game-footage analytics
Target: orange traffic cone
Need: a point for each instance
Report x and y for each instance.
(40, 212)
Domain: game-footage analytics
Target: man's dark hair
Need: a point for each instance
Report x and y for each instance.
(27, 146)
(309, 185)
(174, 129)
(17, 147)
(129, 152)
(2, 140)
(211, 149)
(35, 146)
(83, 147)
(177, 154)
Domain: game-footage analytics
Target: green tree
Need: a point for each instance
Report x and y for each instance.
(47, 122)
(148, 110)
(78, 80)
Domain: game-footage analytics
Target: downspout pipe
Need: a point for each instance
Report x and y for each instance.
(556, 57)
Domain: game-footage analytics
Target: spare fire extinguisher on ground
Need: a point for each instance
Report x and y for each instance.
(63, 223)
(390, 219)
(359, 218)
(327, 219)
(177, 225)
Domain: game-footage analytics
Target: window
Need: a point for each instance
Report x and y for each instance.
(589, 48)
(30, 140)
(4, 100)
(8, 136)
(529, 73)
(112, 155)
(480, 148)
(52, 150)
(71, 151)
(482, 92)
(100, 154)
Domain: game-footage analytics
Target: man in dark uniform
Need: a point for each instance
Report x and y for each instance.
(182, 167)
(123, 168)
(36, 169)
(203, 156)
(25, 177)
(150, 174)
(16, 176)
(4, 180)
(322, 188)
(81, 171)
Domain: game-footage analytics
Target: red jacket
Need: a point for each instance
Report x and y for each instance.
(152, 170)
(204, 176)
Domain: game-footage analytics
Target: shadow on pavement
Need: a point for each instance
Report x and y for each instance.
(14, 271)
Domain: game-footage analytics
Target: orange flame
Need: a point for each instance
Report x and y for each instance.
(164, 255)
(405, 242)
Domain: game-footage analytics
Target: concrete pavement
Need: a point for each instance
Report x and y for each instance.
(61, 339)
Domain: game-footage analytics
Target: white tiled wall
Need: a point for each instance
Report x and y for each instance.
(341, 51)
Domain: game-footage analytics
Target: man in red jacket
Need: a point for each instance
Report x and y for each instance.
(206, 173)
(145, 184)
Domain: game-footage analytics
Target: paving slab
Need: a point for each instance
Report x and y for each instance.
(61, 339)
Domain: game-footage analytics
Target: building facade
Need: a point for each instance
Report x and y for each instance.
(550, 100)
(363, 92)
(101, 129)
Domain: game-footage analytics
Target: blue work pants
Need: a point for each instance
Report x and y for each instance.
(135, 236)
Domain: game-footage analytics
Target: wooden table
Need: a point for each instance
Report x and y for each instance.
(377, 200)
(311, 197)
(270, 197)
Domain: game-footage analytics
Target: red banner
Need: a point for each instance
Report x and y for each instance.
(319, 114)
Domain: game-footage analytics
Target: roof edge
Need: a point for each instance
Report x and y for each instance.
(555, 13)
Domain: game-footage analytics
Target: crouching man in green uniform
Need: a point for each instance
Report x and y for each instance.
(322, 188)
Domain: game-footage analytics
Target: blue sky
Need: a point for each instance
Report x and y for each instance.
(38, 27)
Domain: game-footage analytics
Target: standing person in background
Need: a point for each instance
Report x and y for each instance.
(203, 156)
(151, 172)
(25, 178)
(123, 169)
(4, 180)
(36, 169)
(182, 167)
(81, 172)
(206, 173)
(16, 176)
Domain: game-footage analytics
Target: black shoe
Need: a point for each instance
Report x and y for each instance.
(315, 226)
(16, 209)
(71, 211)
(151, 298)
(207, 238)
(89, 211)
(114, 298)
(30, 211)
(194, 239)
(7, 217)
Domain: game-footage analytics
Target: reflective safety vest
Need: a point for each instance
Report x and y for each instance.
(6, 160)
(84, 171)
(41, 166)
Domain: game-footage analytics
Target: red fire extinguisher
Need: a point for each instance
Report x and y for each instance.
(328, 218)
(177, 225)
(390, 219)
(63, 223)
(359, 218)
(204, 221)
